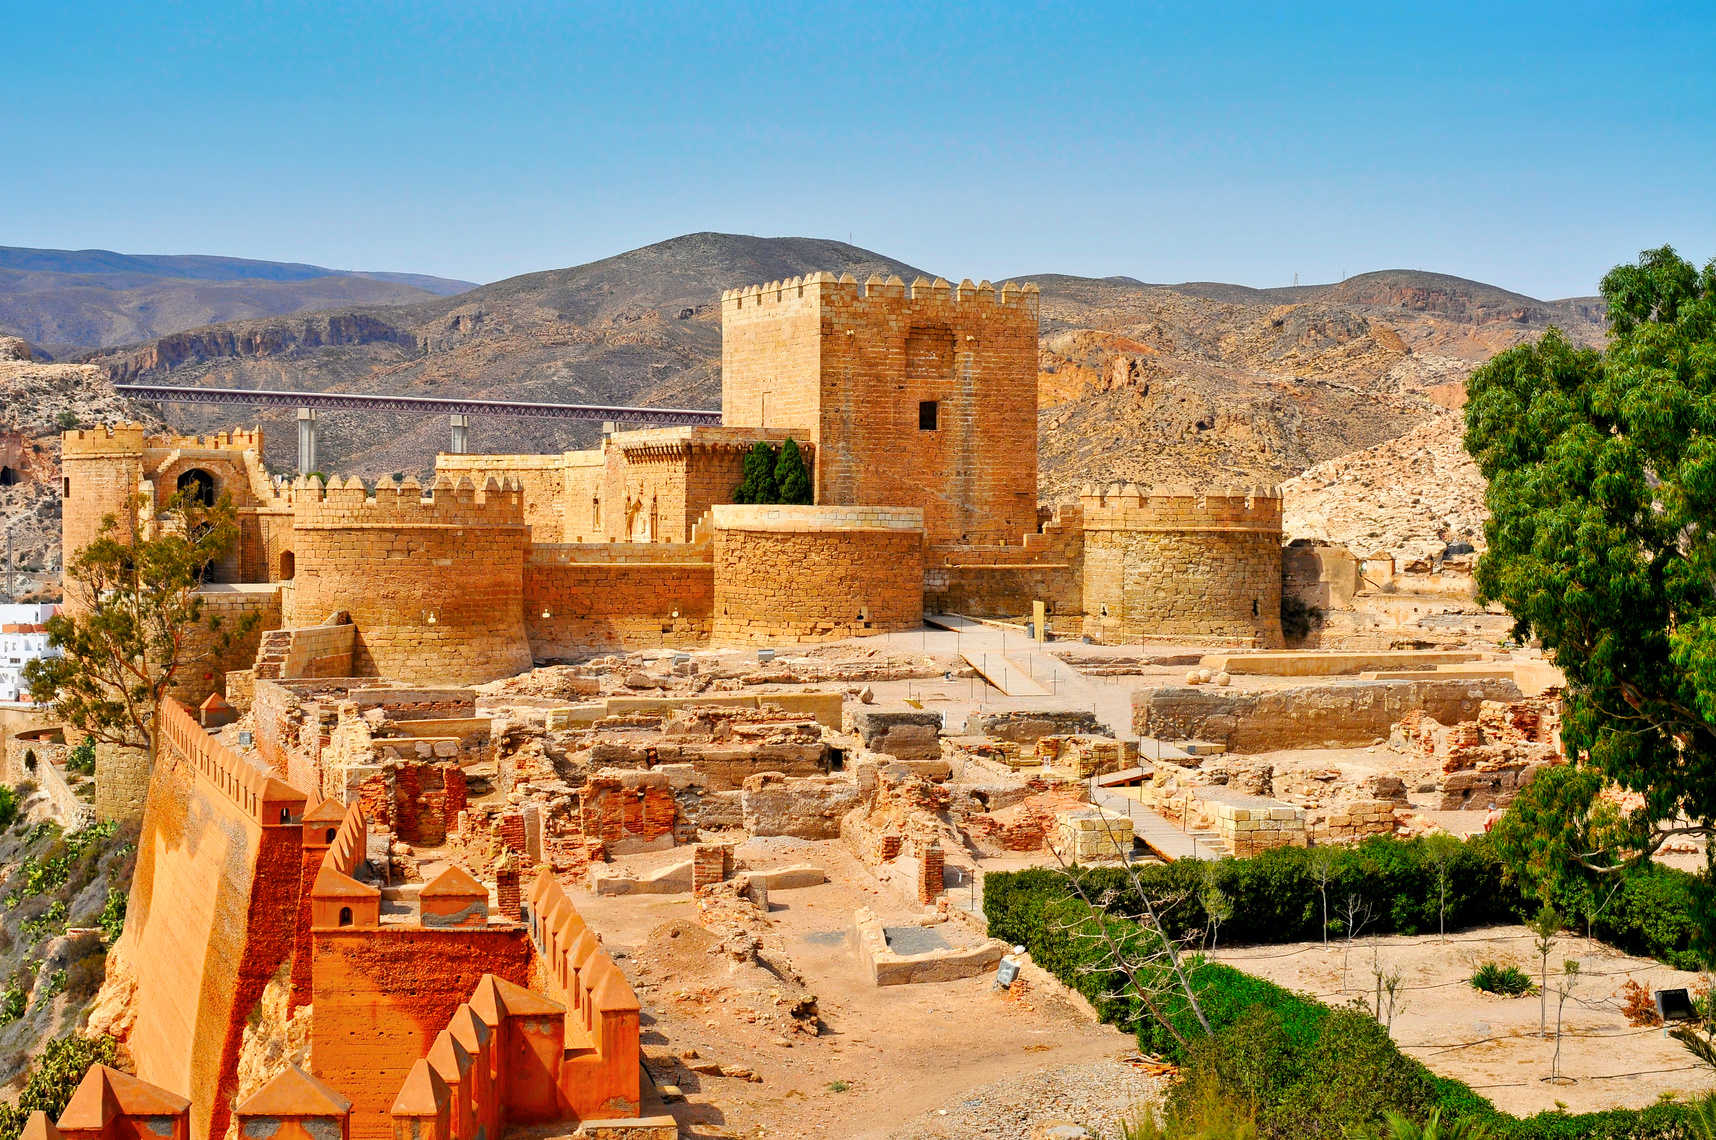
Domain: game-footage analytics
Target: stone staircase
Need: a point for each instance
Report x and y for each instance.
(271, 654)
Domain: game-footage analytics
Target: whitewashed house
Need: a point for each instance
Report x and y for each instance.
(23, 638)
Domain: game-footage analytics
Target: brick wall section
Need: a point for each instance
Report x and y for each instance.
(382, 996)
(710, 863)
(611, 811)
(852, 363)
(617, 596)
(397, 561)
(1220, 550)
(453, 792)
(930, 873)
(816, 573)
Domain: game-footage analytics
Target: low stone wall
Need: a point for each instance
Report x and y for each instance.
(635, 595)
(230, 604)
(47, 744)
(321, 651)
(1250, 824)
(796, 574)
(890, 969)
(1027, 726)
(1338, 714)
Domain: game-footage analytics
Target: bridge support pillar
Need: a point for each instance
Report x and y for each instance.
(306, 440)
(460, 443)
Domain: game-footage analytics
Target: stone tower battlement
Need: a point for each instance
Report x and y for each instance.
(1126, 506)
(106, 439)
(1176, 564)
(826, 288)
(922, 396)
(407, 504)
(434, 583)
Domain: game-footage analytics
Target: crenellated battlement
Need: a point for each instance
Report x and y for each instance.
(1126, 506)
(826, 290)
(104, 439)
(406, 504)
(132, 439)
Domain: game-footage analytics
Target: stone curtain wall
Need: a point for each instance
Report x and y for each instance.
(211, 916)
(785, 573)
(1175, 564)
(435, 586)
(991, 581)
(542, 478)
(229, 604)
(617, 596)
(853, 363)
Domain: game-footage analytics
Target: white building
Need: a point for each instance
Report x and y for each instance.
(23, 637)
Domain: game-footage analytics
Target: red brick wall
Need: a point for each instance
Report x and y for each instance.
(383, 995)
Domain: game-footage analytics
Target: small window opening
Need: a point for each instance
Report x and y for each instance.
(345, 916)
(1254, 607)
(929, 415)
(332, 831)
(285, 815)
(68, 487)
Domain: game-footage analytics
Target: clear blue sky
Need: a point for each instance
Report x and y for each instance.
(1531, 146)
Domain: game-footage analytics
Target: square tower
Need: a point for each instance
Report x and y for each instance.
(920, 398)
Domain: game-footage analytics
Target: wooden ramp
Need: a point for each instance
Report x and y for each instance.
(1003, 674)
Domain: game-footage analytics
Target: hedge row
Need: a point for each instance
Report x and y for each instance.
(1276, 897)
(1312, 1071)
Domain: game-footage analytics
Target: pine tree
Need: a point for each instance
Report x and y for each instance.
(758, 485)
(792, 480)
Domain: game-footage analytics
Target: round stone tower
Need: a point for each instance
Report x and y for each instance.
(433, 581)
(1183, 565)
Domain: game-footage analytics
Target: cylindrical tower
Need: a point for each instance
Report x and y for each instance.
(797, 573)
(1183, 565)
(434, 585)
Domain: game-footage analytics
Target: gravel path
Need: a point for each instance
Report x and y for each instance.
(1097, 1096)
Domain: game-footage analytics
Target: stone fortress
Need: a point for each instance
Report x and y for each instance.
(916, 411)
(278, 884)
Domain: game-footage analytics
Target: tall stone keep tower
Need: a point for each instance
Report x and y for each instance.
(922, 398)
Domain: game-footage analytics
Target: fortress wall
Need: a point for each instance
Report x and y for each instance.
(434, 586)
(382, 995)
(542, 479)
(1175, 564)
(230, 604)
(579, 597)
(101, 468)
(856, 362)
(211, 914)
(1004, 581)
(786, 573)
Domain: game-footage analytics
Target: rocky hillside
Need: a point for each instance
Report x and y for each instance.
(1410, 496)
(37, 401)
(1219, 383)
(67, 301)
(640, 328)
(1194, 383)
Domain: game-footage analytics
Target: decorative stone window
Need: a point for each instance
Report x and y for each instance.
(929, 415)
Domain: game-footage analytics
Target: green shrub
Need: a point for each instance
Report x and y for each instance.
(1509, 981)
(59, 1069)
(82, 758)
(13, 1002)
(8, 807)
(112, 916)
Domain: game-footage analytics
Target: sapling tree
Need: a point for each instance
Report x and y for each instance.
(1218, 907)
(1563, 990)
(1440, 850)
(1544, 929)
(1322, 870)
(1147, 960)
(1355, 916)
(140, 623)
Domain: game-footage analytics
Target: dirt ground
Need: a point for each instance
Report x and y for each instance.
(882, 1055)
(1492, 1042)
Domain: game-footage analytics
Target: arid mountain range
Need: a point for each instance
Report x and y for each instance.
(64, 302)
(1190, 383)
(1197, 383)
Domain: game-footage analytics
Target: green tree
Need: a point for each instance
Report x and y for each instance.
(758, 484)
(1602, 541)
(791, 479)
(141, 621)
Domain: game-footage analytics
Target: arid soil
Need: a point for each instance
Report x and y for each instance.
(1492, 1043)
(882, 1054)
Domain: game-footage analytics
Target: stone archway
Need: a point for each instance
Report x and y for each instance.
(198, 486)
